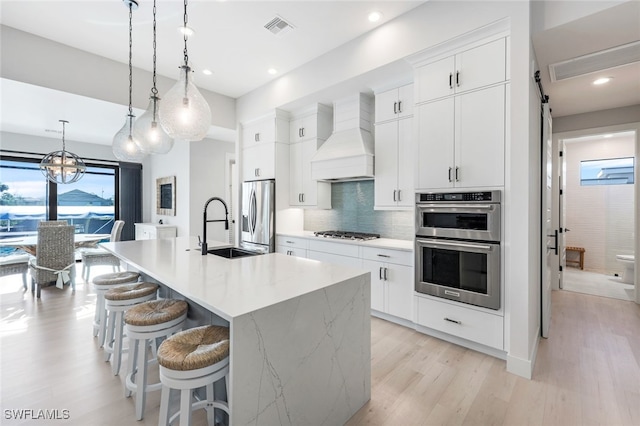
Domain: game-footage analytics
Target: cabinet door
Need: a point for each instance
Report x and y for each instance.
(434, 160)
(165, 232)
(399, 295)
(309, 188)
(405, 101)
(481, 66)
(405, 163)
(386, 164)
(435, 80)
(303, 128)
(295, 130)
(480, 135)
(296, 169)
(386, 107)
(259, 132)
(377, 284)
(259, 162)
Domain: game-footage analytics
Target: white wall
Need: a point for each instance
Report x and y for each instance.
(42, 145)
(552, 13)
(590, 120)
(601, 217)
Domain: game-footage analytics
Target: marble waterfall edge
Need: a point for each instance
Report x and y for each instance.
(324, 350)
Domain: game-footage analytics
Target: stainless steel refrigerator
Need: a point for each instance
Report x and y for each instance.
(258, 216)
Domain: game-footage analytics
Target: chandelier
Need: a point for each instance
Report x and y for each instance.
(185, 114)
(62, 166)
(125, 147)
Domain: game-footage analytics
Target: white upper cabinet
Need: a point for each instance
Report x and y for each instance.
(259, 138)
(308, 129)
(258, 162)
(393, 186)
(468, 70)
(395, 103)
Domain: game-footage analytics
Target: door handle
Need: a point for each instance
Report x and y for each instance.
(450, 81)
(399, 197)
(394, 195)
(555, 246)
(457, 169)
(450, 174)
(386, 270)
(399, 106)
(383, 255)
(380, 273)
(453, 321)
(395, 107)
(458, 78)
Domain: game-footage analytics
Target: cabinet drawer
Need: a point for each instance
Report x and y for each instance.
(480, 327)
(334, 248)
(399, 257)
(295, 242)
(291, 251)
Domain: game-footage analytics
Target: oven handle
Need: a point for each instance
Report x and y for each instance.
(484, 247)
(458, 206)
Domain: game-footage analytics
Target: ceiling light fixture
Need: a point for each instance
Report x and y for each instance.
(62, 166)
(272, 71)
(207, 72)
(124, 144)
(185, 114)
(375, 16)
(602, 80)
(148, 133)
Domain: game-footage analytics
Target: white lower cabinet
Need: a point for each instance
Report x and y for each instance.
(152, 231)
(392, 280)
(291, 246)
(467, 323)
(337, 253)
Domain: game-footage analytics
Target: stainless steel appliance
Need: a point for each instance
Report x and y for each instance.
(347, 235)
(458, 246)
(258, 216)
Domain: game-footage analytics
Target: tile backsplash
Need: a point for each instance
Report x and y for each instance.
(352, 210)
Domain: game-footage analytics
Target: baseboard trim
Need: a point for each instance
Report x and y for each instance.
(524, 367)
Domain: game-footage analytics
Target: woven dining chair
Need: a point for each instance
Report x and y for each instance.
(53, 223)
(99, 256)
(55, 261)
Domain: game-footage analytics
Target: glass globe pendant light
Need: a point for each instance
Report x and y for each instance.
(124, 144)
(185, 114)
(147, 131)
(62, 166)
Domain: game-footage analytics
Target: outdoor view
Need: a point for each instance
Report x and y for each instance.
(87, 204)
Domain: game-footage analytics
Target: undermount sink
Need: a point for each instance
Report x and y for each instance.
(231, 252)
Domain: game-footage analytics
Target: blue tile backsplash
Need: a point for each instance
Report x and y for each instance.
(352, 210)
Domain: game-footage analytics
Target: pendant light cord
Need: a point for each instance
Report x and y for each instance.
(154, 90)
(63, 143)
(186, 19)
(130, 68)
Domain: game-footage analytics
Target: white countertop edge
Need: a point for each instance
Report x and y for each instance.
(390, 243)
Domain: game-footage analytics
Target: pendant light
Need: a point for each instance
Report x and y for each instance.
(124, 145)
(62, 166)
(147, 131)
(184, 113)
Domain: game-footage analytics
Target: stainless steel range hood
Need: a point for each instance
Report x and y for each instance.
(348, 153)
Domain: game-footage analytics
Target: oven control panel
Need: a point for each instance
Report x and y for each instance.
(484, 196)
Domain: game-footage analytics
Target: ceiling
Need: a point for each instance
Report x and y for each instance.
(612, 27)
(231, 41)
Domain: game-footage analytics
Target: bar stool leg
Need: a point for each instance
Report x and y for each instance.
(117, 345)
(97, 325)
(163, 420)
(108, 342)
(131, 369)
(209, 408)
(141, 378)
(185, 407)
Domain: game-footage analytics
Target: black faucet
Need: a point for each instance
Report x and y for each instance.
(203, 245)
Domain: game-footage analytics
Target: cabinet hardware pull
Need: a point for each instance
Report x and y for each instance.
(302, 131)
(380, 273)
(303, 197)
(450, 81)
(399, 106)
(449, 174)
(395, 107)
(383, 255)
(385, 273)
(289, 242)
(299, 199)
(289, 252)
(399, 197)
(258, 172)
(457, 169)
(458, 78)
(394, 195)
(453, 321)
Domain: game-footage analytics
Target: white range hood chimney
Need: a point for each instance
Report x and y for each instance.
(348, 153)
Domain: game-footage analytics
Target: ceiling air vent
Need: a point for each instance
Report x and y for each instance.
(594, 62)
(278, 26)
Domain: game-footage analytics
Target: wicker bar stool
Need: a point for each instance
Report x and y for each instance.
(191, 359)
(145, 323)
(117, 301)
(102, 284)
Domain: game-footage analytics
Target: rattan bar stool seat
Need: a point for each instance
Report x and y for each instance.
(103, 283)
(118, 301)
(145, 323)
(189, 360)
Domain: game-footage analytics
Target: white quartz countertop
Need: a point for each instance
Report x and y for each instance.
(389, 243)
(228, 287)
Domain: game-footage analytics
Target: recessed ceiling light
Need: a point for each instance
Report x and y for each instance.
(602, 80)
(608, 135)
(272, 71)
(375, 16)
(207, 72)
(188, 31)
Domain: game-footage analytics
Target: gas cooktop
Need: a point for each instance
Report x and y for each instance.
(347, 235)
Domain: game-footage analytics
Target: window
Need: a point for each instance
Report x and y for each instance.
(27, 197)
(612, 171)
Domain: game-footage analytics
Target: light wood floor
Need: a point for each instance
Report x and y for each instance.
(587, 372)
(588, 282)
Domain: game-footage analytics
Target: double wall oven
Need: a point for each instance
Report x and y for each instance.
(458, 246)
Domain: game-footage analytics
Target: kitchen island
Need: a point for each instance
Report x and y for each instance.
(300, 329)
